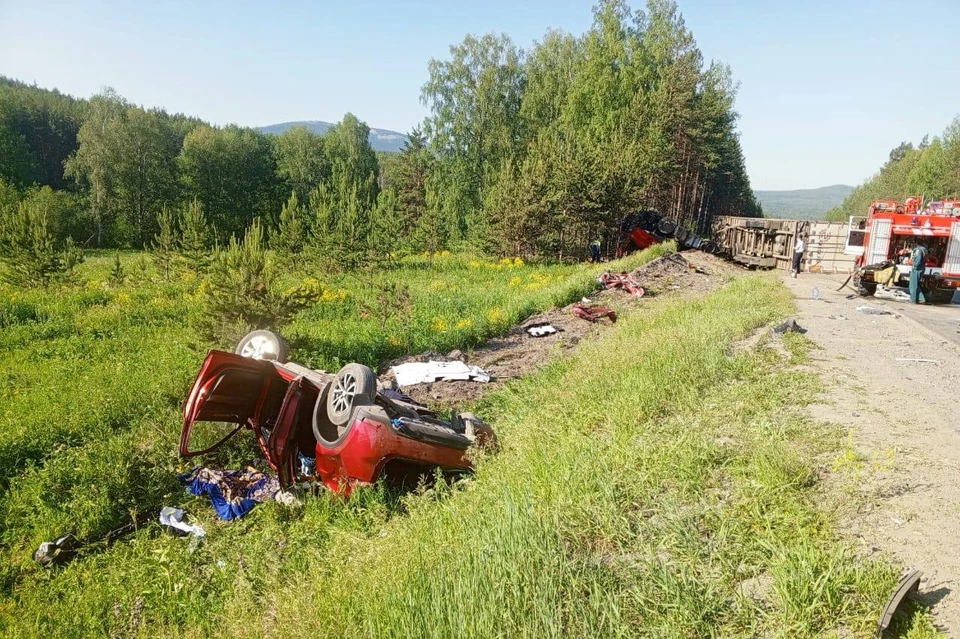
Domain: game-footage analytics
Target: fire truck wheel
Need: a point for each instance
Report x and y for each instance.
(938, 295)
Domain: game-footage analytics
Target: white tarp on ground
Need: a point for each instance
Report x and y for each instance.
(426, 372)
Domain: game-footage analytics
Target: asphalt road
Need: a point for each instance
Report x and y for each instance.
(942, 319)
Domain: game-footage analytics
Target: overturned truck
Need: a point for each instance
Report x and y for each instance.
(759, 242)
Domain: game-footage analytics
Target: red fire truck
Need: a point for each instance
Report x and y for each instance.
(885, 238)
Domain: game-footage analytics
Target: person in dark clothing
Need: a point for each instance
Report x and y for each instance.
(919, 258)
(595, 251)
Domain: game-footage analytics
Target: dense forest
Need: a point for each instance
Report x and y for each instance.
(931, 169)
(523, 153)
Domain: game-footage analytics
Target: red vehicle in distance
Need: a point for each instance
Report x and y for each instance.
(351, 431)
(885, 238)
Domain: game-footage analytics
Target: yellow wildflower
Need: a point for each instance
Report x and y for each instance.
(439, 324)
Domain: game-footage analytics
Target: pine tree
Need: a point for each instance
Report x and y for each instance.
(117, 275)
(28, 248)
(291, 236)
(195, 236)
(165, 243)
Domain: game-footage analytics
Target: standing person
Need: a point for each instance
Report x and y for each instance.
(798, 250)
(919, 258)
(595, 251)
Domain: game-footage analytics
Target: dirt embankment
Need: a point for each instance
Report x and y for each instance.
(688, 274)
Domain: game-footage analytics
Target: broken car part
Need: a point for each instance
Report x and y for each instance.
(909, 584)
(594, 313)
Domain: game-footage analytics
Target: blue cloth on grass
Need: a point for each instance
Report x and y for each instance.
(233, 493)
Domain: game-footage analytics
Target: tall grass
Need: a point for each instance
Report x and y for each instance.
(93, 376)
(651, 485)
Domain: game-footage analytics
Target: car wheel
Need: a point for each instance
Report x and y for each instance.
(265, 345)
(355, 385)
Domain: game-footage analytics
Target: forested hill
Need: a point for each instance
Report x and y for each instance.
(802, 204)
(524, 152)
(930, 169)
(381, 140)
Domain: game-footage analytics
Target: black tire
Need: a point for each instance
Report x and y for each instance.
(355, 385)
(666, 227)
(264, 345)
(938, 295)
(323, 429)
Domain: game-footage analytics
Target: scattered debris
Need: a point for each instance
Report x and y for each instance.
(622, 281)
(172, 519)
(432, 371)
(919, 360)
(51, 553)
(233, 493)
(837, 317)
(790, 326)
(870, 310)
(908, 585)
(594, 313)
(541, 329)
(891, 293)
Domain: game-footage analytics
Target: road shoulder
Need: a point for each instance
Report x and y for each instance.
(888, 382)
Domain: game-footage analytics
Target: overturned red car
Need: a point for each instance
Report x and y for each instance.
(351, 431)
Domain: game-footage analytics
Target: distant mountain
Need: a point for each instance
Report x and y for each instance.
(802, 204)
(380, 139)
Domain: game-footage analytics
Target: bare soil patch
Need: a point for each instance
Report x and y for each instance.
(897, 481)
(689, 274)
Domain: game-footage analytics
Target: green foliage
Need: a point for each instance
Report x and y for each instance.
(28, 250)
(195, 236)
(302, 160)
(932, 170)
(165, 243)
(292, 236)
(240, 291)
(117, 274)
(231, 171)
(72, 257)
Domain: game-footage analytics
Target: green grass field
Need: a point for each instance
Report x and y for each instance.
(650, 485)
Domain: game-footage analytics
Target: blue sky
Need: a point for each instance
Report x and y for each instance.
(826, 88)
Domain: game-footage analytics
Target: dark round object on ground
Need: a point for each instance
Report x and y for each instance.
(355, 385)
(265, 345)
(938, 295)
(666, 227)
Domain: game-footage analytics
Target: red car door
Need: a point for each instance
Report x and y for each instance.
(231, 392)
(294, 429)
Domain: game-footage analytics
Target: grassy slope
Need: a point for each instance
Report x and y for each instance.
(646, 485)
(92, 379)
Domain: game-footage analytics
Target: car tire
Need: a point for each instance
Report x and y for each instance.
(263, 345)
(355, 385)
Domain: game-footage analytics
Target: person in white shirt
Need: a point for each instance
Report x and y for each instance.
(798, 250)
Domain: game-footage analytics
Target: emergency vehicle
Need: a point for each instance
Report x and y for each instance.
(886, 236)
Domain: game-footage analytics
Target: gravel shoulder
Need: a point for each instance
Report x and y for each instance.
(898, 493)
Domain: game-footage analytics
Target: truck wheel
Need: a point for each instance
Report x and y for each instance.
(265, 345)
(938, 295)
(355, 385)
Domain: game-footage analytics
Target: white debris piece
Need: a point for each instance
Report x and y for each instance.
(427, 372)
(173, 517)
(541, 330)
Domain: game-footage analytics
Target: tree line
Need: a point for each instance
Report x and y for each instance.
(523, 152)
(930, 169)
